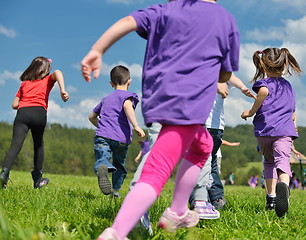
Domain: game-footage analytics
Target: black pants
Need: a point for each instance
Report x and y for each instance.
(28, 118)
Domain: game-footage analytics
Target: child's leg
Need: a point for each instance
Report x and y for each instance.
(190, 169)
(119, 155)
(20, 131)
(282, 152)
(172, 143)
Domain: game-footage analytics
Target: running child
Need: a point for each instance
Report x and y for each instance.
(113, 117)
(31, 102)
(190, 45)
(275, 122)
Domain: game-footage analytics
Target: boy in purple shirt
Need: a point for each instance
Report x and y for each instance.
(113, 117)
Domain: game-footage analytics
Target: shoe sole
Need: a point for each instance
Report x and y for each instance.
(282, 199)
(211, 216)
(103, 181)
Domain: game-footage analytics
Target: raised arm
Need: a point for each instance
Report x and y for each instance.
(58, 76)
(261, 96)
(93, 60)
(130, 113)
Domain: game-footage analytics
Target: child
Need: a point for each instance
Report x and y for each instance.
(32, 102)
(145, 147)
(253, 181)
(274, 122)
(188, 44)
(113, 117)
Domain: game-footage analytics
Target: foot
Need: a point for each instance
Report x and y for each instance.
(171, 222)
(206, 210)
(219, 203)
(115, 194)
(110, 234)
(103, 181)
(282, 199)
(41, 182)
(145, 220)
(270, 203)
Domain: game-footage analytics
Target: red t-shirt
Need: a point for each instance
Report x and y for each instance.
(35, 93)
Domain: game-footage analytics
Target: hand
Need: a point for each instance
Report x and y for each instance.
(223, 89)
(65, 96)
(247, 92)
(140, 132)
(91, 63)
(136, 160)
(246, 114)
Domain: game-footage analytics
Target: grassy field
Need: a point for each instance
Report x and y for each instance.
(72, 207)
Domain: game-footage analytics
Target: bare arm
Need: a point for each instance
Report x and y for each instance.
(15, 103)
(57, 75)
(261, 96)
(230, 144)
(138, 156)
(224, 76)
(93, 118)
(130, 113)
(93, 60)
(236, 82)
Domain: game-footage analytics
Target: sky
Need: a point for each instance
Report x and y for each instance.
(65, 30)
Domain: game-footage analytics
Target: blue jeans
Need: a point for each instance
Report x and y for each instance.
(216, 191)
(105, 149)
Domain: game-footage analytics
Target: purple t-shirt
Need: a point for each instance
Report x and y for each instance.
(145, 147)
(274, 117)
(188, 43)
(113, 122)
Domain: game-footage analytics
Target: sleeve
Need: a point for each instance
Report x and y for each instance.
(18, 94)
(258, 84)
(145, 19)
(135, 99)
(97, 109)
(230, 61)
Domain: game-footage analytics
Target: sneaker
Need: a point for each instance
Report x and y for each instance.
(270, 203)
(219, 203)
(171, 222)
(103, 181)
(145, 220)
(41, 182)
(115, 194)
(282, 199)
(206, 210)
(110, 234)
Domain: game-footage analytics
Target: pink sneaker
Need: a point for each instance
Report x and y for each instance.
(171, 222)
(110, 234)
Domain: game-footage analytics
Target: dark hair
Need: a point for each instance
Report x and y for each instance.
(119, 75)
(39, 68)
(274, 60)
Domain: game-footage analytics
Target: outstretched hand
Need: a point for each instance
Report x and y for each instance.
(140, 132)
(91, 64)
(247, 92)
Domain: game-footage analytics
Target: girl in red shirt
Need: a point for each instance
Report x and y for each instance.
(31, 102)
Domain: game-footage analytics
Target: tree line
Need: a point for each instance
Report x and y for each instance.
(70, 150)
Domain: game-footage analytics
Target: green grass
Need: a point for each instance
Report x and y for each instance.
(72, 207)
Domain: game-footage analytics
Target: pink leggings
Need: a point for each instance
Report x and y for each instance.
(171, 145)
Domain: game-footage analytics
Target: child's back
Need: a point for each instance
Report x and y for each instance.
(188, 44)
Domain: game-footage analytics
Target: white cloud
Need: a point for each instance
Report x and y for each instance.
(135, 68)
(7, 32)
(71, 89)
(7, 75)
(77, 115)
(292, 31)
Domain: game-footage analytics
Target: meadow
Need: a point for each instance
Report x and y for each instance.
(72, 207)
